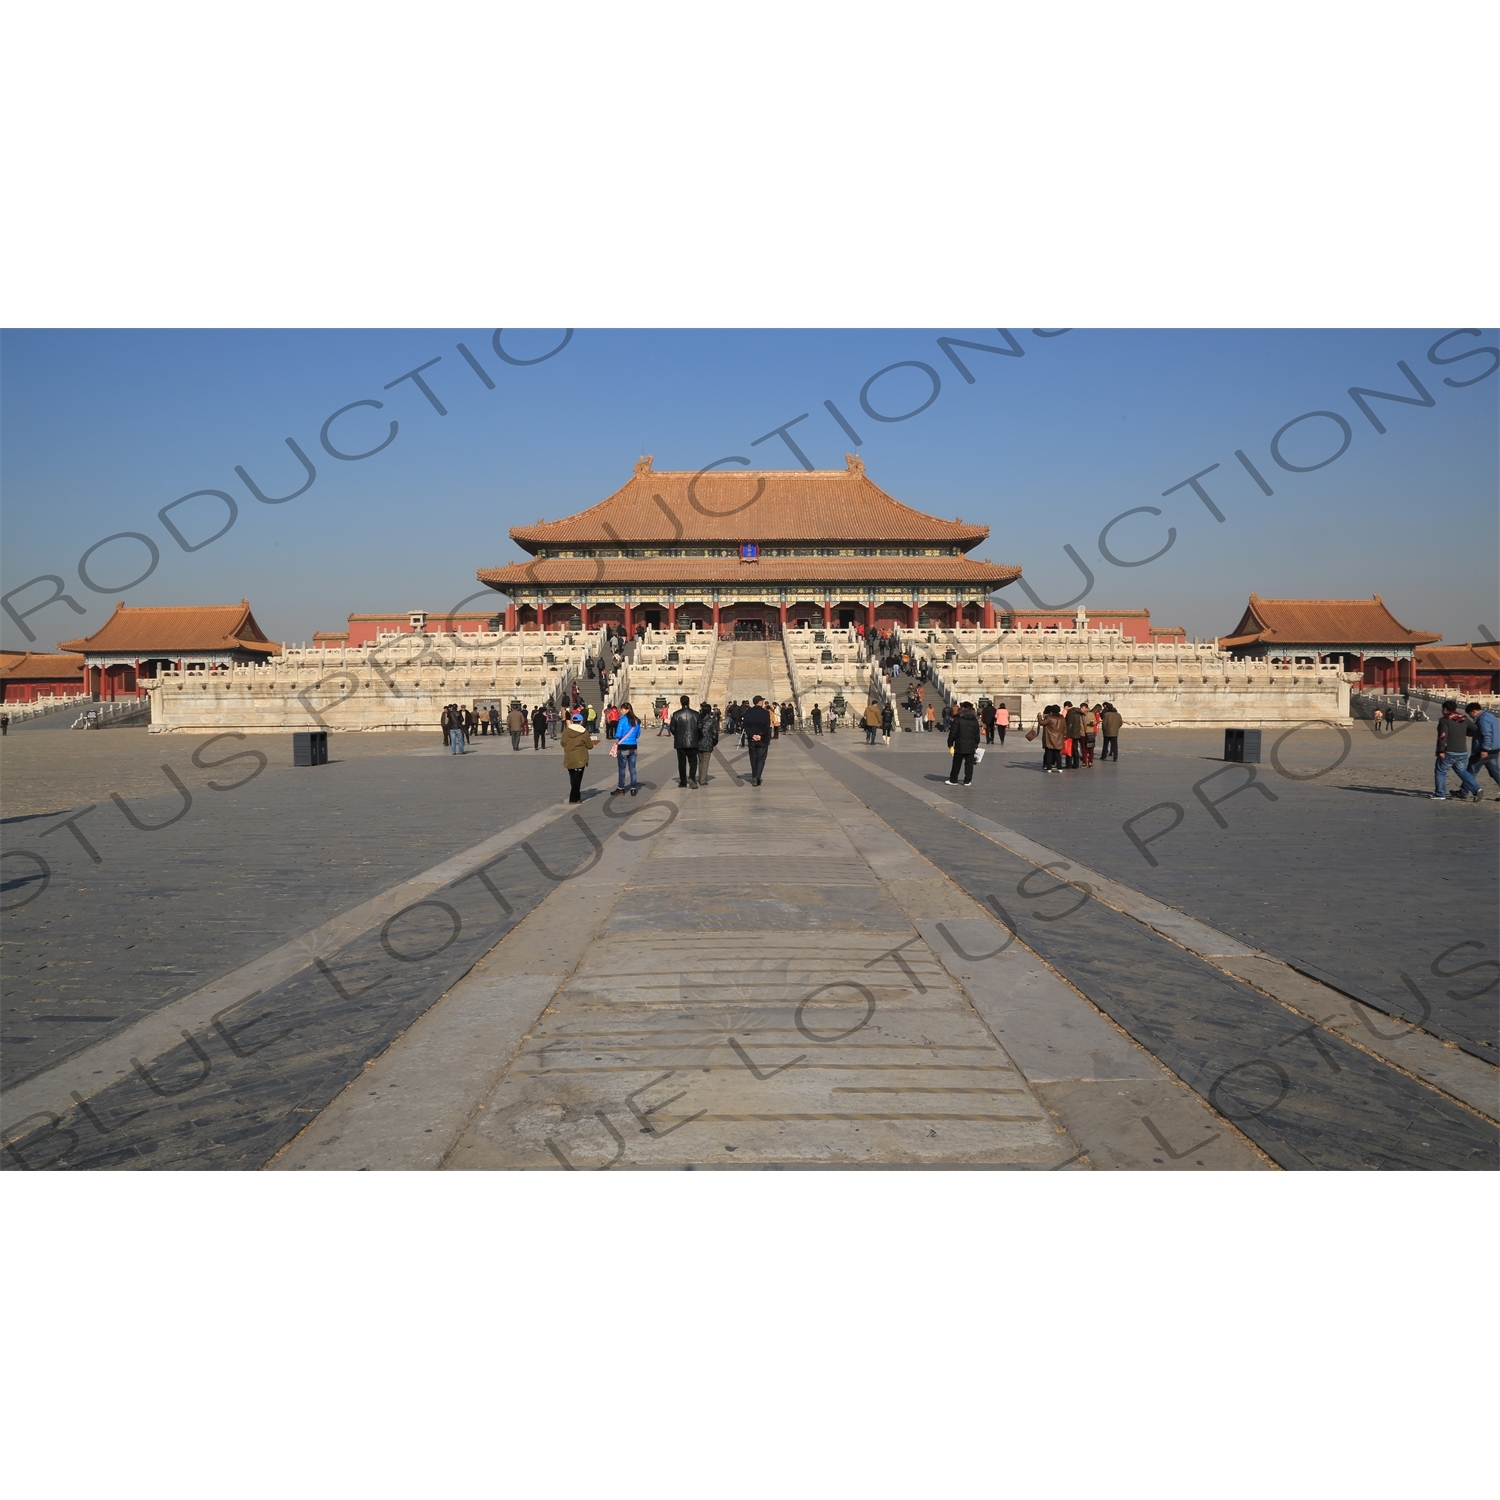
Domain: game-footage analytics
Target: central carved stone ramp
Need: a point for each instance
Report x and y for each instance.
(749, 669)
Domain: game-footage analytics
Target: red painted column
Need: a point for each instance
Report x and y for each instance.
(989, 614)
(629, 622)
(914, 616)
(827, 615)
(510, 617)
(870, 617)
(583, 616)
(716, 619)
(671, 617)
(783, 616)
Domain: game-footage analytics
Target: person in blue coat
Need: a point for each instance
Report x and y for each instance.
(1485, 735)
(627, 742)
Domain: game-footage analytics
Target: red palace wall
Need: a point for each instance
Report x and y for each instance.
(1134, 625)
(30, 691)
(1463, 682)
(365, 630)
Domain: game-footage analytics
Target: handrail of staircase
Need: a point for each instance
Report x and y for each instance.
(708, 667)
(793, 679)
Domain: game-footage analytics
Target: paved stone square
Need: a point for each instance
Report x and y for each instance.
(411, 960)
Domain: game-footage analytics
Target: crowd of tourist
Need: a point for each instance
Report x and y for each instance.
(460, 725)
(1069, 733)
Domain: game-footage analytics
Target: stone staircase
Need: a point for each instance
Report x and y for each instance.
(749, 671)
(828, 665)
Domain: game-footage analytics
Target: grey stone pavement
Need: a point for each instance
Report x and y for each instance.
(1351, 872)
(407, 959)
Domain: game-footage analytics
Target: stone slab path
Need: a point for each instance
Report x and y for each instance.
(775, 979)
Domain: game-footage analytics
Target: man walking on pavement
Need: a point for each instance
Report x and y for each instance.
(963, 740)
(1453, 755)
(515, 722)
(1109, 731)
(988, 717)
(872, 721)
(684, 726)
(539, 728)
(757, 727)
(1485, 732)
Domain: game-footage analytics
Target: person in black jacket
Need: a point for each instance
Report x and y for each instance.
(539, 728)
(1453, 755)
(756, 724)
(684, 727)
(963, 739)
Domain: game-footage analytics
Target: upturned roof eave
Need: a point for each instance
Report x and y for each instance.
(617, 519)
(1266, 620)
(529, 539)
(557, 573)
(92, 647)
(243, 630)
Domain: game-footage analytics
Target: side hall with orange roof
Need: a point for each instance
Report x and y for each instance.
(1361, 634)
(1469, 668)
(748, 552)
(137, 642)
(26, 676)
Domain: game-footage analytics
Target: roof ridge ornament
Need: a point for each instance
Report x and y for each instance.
(854, 464)
(643, 463)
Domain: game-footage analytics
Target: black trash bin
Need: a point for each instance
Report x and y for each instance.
(310, 747)
(1242, 745)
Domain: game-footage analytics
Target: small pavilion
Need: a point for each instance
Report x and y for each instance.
(136, 643)
(1360, 634)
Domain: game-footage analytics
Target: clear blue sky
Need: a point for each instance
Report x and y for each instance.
(102, 429)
